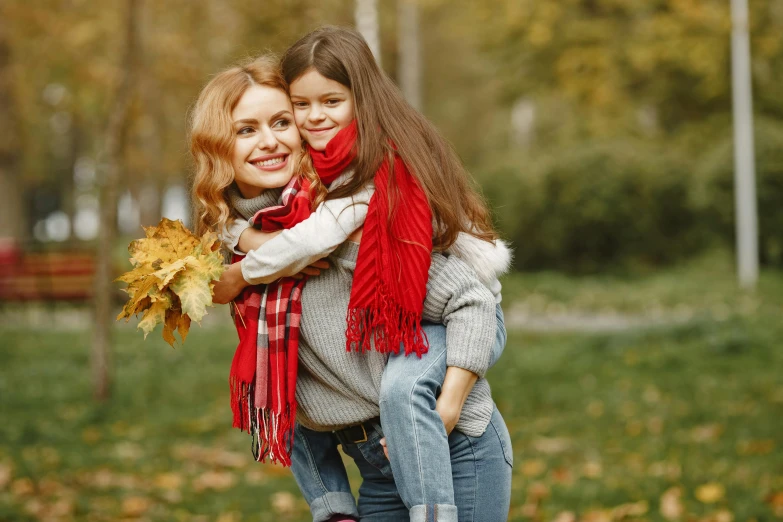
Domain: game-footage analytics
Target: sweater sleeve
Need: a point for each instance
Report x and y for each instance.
(312, 239)
(230, 235)
(457, 299)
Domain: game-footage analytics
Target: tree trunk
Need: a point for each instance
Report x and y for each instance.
(109, 187)
(409, 62)
(11, 214)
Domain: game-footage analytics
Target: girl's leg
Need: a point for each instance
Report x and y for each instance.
(320, 474)
(482, 472)
(415, 436)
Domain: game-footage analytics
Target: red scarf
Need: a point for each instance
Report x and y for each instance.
(263, 372)
(390, 280)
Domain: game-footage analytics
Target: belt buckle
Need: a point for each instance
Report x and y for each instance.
(364, 434)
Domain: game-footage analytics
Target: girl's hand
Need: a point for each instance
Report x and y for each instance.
(449, 411)
(230, 284)
(454, 392)
(313, 270)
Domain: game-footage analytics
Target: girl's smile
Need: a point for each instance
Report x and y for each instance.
(322, 107)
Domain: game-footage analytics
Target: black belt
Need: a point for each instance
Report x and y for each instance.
(358, 432)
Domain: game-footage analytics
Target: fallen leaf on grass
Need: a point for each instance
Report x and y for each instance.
(62, 508)
(710, 493)
(255, 477)
(172, 496)
(50, 486)
(168, 481)
(565, 516)
(91, 435)
(533, 468)
(633, 509)
(592, 469)
(597, 515)
(22, 487)
(34, 507)
(128, 451)
(213, 456)
(671, 504)
(135, 506)
(231, 516)
(595, 409)
(775, 500)
(724, 515)
(217, 480)
(529, 510)
(551, 446)
(706, 432)
(105, 478)
(283, 503)
(562, 475)
(537, 491)
(6, 472)
(756, 447)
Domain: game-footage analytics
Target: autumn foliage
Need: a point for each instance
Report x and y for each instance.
(172, 279)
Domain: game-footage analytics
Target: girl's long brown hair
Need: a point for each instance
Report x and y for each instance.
(385, 118)
(212, 139)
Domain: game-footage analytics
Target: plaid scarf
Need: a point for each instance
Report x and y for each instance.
(267, 318)
(390, 280)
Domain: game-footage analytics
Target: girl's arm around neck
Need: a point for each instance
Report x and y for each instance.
(314, 238)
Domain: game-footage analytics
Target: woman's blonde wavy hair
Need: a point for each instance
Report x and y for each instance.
(212, 140)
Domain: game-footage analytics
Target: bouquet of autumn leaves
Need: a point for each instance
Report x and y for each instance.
(172, 279)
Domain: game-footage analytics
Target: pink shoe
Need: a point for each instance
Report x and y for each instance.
(341, 518)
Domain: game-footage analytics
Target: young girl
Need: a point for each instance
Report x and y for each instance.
(325, 109)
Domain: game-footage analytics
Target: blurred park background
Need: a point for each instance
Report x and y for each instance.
(640, 382)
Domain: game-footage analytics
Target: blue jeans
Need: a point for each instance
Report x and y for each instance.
(421, 453)
(481, 478)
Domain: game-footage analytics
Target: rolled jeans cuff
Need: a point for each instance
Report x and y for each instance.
(433, 513)
(334, 503)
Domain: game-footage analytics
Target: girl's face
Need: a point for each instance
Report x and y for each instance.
(267, 141)
(322, 107)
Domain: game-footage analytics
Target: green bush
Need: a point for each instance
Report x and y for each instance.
(715, 190)
(604, 206)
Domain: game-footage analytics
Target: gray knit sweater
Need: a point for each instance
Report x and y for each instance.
(336, 388)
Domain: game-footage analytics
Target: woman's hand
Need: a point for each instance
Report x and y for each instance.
(230, 284)
(313, 269)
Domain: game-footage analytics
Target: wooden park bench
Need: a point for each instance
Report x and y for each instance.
(45, 275)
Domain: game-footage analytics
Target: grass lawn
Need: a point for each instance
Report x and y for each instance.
(679, 422)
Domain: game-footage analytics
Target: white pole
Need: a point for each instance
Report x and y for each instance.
(366, 16)
(744, 164)
(409, 69)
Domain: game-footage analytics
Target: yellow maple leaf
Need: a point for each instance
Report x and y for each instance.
(155, 314)
(710, 493)
(183, 326)
(172, 279)
(194, 291)
(168, 271)
(175, 320)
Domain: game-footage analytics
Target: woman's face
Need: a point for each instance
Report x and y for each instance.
(267, 141)
(322, 107)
